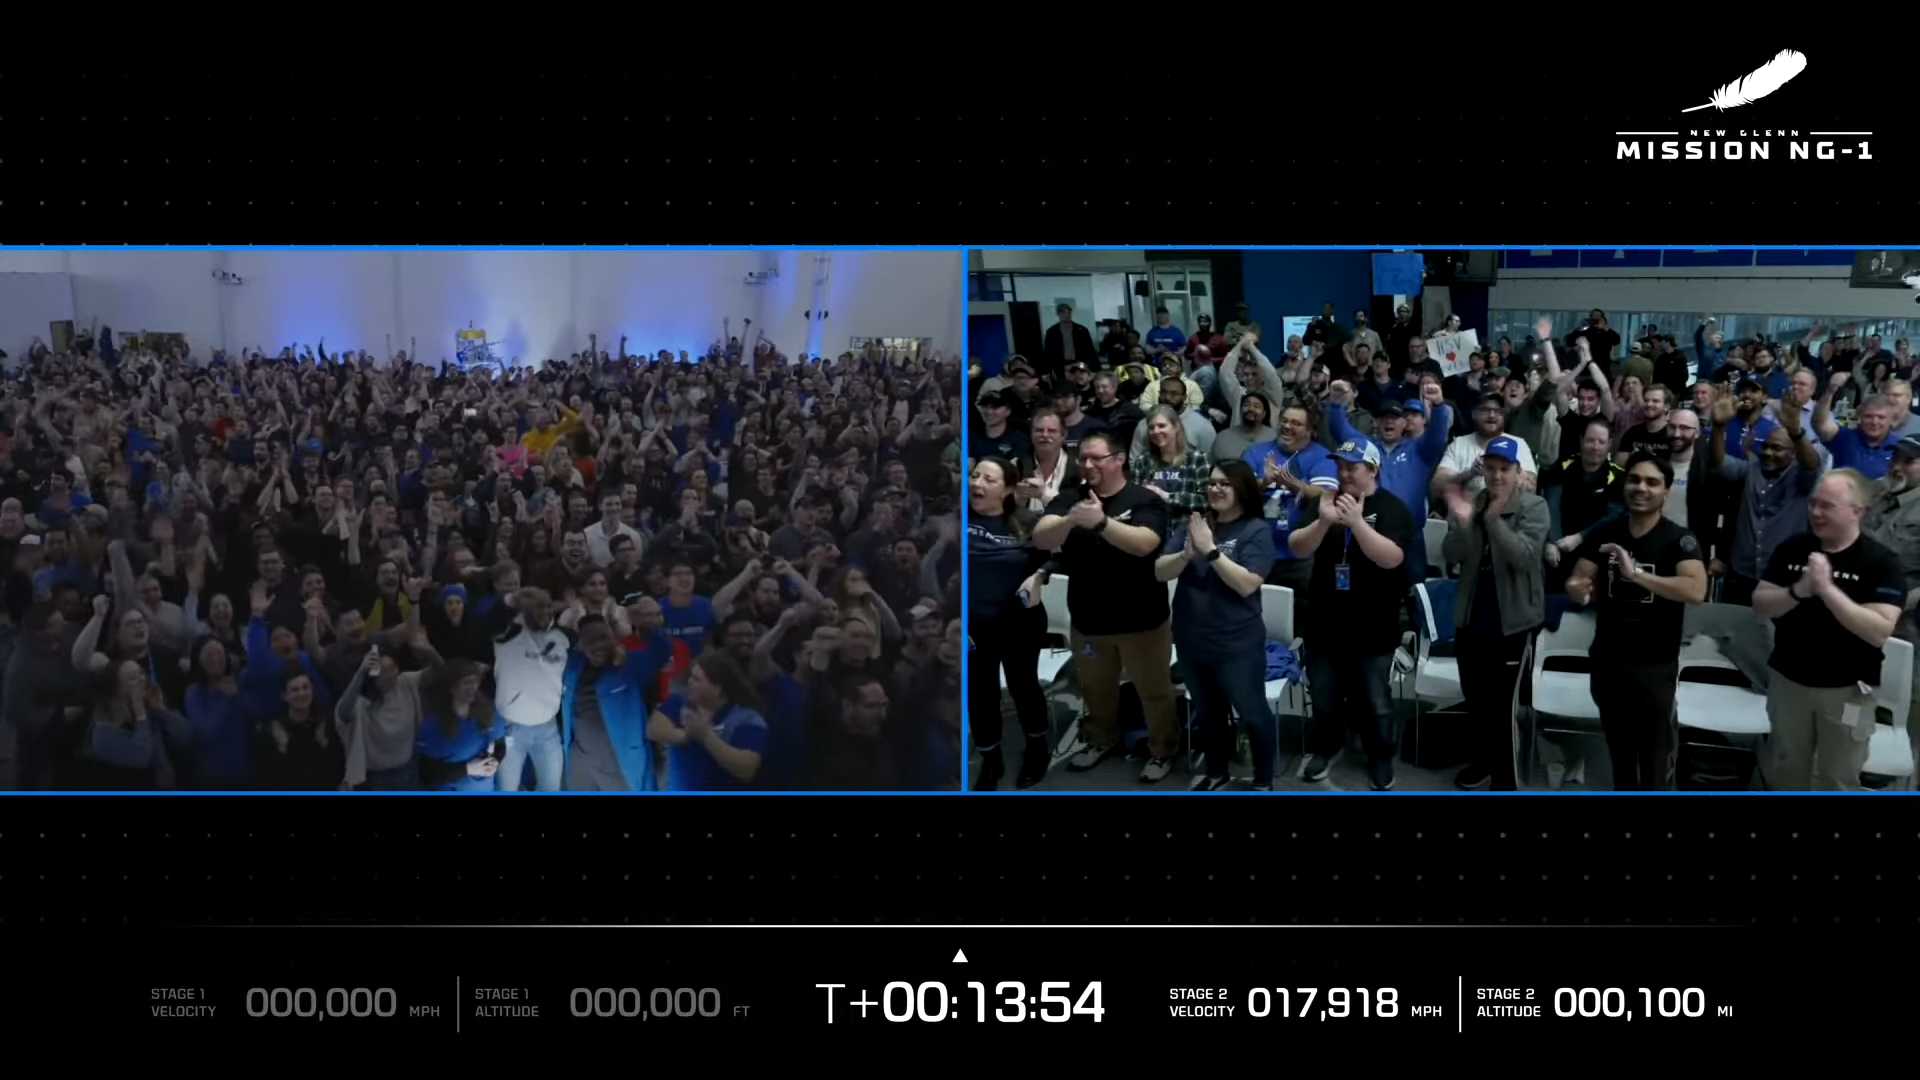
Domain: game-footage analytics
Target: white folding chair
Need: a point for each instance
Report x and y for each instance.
(1567, 695)
(1434, 534)
(1890, 752)
(1434, 680)
(1276, 612)
(1713, 696)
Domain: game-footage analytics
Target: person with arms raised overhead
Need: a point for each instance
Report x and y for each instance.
(1406, 462)
(1109, 535)
(1638, 573)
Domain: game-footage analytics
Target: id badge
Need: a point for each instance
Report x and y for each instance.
(1342, 577)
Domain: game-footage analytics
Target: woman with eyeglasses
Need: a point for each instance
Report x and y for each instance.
(1007, 625)
(1171, 468)
(1221, 561)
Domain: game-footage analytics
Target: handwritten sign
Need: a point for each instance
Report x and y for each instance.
(1451, 350)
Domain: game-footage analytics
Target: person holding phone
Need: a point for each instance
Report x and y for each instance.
(1006, 623)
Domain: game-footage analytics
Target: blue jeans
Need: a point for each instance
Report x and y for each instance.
(1350, 693)
(539, 744)
(1220, 689)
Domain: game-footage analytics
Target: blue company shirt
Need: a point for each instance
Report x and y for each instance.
(691, 768)
(1851, 450)
(466, 743)
(1171, 338)
(1314, 466)
(1211, 620)
(1737, 434)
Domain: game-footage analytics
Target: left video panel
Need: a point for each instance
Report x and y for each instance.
(475, 520)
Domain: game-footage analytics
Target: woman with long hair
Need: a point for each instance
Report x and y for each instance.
(221, 755)
(461, 741)
(1221, 565)
(300, 751)
(712, 729)
(1170, 468)
(379, 716)
(854, 593)
(132, 739)
(1006, 622)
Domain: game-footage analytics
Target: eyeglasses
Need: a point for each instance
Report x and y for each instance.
(1220, 484)
(1089, 459)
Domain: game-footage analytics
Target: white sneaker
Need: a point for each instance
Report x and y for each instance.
(1157, 770)
(1086, 757)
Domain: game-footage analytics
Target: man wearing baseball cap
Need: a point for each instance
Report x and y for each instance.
(1358, 543)
(1066, 342)
(1498, 539)
(1894, 520)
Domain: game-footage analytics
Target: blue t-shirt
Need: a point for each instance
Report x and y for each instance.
(465, 744)
(1313, 465)
(1850, 450)
(1737, 435)
(1211, 620)
(691, 768)
(688, 626)
(1172, 338)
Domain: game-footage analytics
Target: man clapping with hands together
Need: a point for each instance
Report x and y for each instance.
(1358, 543)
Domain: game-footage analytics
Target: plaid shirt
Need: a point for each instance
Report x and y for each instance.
(1184, 483)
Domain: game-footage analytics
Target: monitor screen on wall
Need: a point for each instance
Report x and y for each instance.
(1884, 269)
(1399, 274)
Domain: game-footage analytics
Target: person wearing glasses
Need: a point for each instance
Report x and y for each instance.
(1221, 558)
(1108, 535)
(1835, 596)
(1460, 465)
(1295, 470)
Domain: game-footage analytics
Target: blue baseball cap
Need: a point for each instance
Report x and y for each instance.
(1358, 452)
(1506, 448)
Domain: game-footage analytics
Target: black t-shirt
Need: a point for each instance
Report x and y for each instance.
(1088, 425)
(1810, 646)
(1637, 627)
(1108, 590)
(1573, 431)
(1363, 620)
(1638, 438)
(1010, 445)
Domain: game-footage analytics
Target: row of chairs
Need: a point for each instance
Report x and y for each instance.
(1712, 697)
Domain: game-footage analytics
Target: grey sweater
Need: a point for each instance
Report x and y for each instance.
(1517, 537)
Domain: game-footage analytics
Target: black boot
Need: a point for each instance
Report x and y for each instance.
(992, 768)
(1033, 764)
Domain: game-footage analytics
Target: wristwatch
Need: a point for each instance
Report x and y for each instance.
(1212, 556)
(1102, 527)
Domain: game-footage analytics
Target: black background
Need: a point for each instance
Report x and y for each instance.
(1517, 150)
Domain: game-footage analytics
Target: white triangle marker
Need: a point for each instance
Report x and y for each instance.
(960, 957)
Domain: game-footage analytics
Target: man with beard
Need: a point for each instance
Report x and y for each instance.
(1200, 433)
(1651, 434)
(1894, 520)
(1774, 487)
(1638, 573)
(1235, 441)
(1688, 502)
(1407, 462)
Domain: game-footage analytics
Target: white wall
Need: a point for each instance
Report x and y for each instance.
(1817, 291)
(1061, 259)
(536, 303)
(28, 303)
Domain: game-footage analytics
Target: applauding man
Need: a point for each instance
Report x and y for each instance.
(1358, 543)
(1638, 573)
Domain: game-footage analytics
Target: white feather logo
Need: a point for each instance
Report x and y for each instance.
(1764, 80)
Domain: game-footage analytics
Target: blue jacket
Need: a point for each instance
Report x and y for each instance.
(263, 683)
(624, 710)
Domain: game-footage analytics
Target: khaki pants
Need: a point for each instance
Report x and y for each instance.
(1147, 658)
(1820, 735)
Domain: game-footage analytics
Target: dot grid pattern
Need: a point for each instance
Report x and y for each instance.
(832, 157)
(1361, 859)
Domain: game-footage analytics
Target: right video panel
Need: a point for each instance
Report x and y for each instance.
(1530, 520)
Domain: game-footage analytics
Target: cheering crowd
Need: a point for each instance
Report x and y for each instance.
(320, 571)
(1757, 499)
